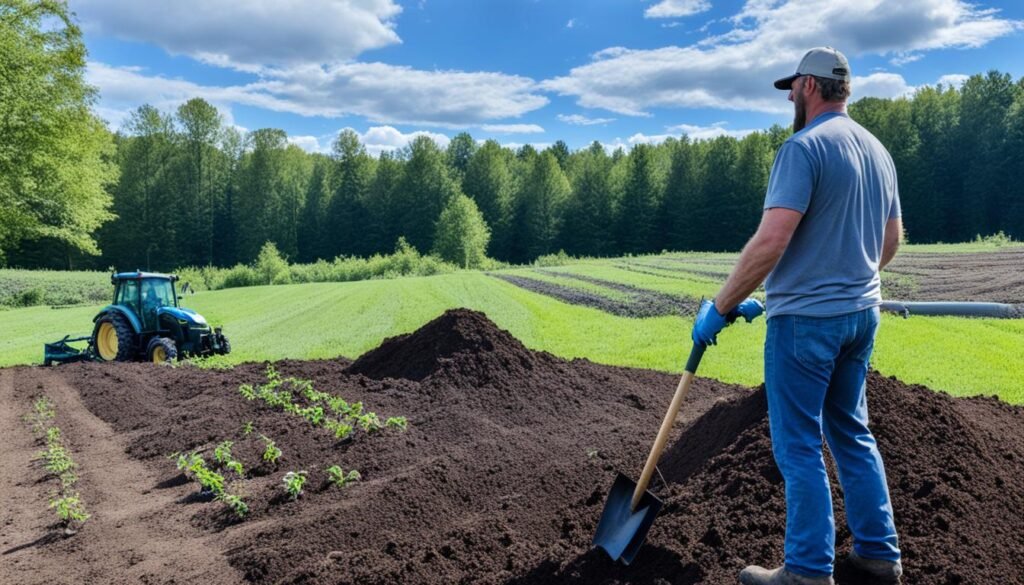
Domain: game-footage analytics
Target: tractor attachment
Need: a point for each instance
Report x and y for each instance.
(61, 352)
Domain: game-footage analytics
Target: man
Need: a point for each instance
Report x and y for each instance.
(831, 221)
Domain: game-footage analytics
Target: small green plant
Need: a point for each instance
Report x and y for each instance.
(397, 422)
(235, 502)
(70, 509)
(58, 460)
(247, 391)
(293, 482)
(247, 428)
(270, 453)
(53, 436)
(236, 466)
(337, 476)
(222, 453)
(339, 428)
(369, 422)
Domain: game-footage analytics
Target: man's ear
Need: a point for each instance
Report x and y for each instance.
(810, 86)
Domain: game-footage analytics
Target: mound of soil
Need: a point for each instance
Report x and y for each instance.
(503, 471)
(458, 339)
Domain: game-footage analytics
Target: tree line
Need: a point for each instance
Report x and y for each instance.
(174, 189)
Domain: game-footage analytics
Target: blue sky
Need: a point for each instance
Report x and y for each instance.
(522, 71)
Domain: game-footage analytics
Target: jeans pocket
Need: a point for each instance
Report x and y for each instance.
(818, 340)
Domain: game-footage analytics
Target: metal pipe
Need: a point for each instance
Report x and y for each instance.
(954, 309)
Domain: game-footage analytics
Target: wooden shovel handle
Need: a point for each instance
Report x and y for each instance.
(666, 425)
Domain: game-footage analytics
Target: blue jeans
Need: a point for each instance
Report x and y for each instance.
(815, 370)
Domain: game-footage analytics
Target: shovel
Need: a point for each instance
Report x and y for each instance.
(630, 509)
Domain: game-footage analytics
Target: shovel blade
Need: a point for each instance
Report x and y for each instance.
(622, 530)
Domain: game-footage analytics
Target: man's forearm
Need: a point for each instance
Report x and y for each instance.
(756, 261)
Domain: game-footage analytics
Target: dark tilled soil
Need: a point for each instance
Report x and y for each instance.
(983, 276)
(659, 303)
(638, 303)
(576, 296)
(503, 472)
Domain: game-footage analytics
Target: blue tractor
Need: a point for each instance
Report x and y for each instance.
(144, 322)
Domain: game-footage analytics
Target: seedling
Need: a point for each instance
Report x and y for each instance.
(58, 461)
(293, 482)
(53, 436)
(235, 466)
(339, 428)
(222, 454)
(271, 453)
(338, 477)
(314, 414)
(247, 391)
(247, 428)
(70, 509)
(237, 505)
(369, 422)
(397, 422)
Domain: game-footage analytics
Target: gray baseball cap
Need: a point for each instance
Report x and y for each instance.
(821, 62)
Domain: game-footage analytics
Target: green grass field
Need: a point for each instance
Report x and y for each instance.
(960, 356)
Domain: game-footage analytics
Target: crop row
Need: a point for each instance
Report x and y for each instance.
(58, 463)
(220, 478)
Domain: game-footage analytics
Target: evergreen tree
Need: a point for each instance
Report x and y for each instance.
(640, 200)
(590, 211)
(425, 189)
(489, 182)
(682, 196)
(347, 214)
(382, 228)
(311, 236)
(542, 203)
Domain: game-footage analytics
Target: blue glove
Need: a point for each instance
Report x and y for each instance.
(748, 309)
(707, 324)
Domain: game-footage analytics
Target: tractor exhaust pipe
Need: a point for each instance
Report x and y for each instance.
(954, 309)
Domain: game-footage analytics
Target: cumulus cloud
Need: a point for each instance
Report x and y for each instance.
(512, 128)
(307, 143)
(676, 8)
(249, 34)
(697, 132)
(579, 120)
(380, 92)
(387, 138)
(953, 79)
(734, 70)
(880, 85)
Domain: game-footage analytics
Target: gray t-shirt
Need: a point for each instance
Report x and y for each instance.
(843, 180)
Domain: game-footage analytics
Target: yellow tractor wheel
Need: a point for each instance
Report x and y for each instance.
(162, 350)
(113, 338)
(106, 341)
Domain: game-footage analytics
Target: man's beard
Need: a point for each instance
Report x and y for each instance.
(800, 112)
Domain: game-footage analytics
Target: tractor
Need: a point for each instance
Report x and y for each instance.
(144, 322)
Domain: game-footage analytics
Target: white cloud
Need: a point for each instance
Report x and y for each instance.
(512, 128)
(734, 70)
(538, 146)
(385, 138)
(696, 132)
(571, 23)
(676, 8)
(953, 79)
(880, 85)
(249, 34)
(380, 92)
(307, 143)
(902, 59)
(579, 120)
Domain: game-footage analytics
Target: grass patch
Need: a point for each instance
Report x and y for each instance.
(325, 320)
